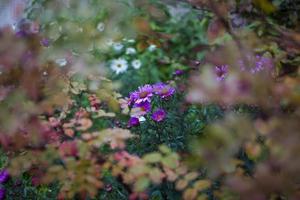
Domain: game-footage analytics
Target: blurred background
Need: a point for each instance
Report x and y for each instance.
(10, 11)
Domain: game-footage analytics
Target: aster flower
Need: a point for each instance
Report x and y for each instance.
(221, 72)
(140, 109)
(159, 115)
(130, 51)
(4, 175)
(133, 121)
(143, 94)
(136, 64)
(119, 65)
(163, 90)
(118, 46)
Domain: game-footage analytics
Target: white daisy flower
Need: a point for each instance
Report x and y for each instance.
(118, 46)
(130, 51)
(101, 26)
(136, 64)
(119, 65)
(61, 62)
(152, 47)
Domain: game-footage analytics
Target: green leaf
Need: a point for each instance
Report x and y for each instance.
(152, 157)
(141, 184)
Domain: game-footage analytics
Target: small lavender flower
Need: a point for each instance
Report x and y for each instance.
(159, 115)
(133, 121)
(45, 42)
(221, 72)
(4, 175)
(178, 72)
(163, 90)
(258, 64)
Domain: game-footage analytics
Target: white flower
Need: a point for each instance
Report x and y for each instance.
(130, 51)
(118, 46)
(61, 62)
(142, 119)
(119, 65)
(101, 26)
(136, 64)
(131, 40)
(152, 47)
(109, 42)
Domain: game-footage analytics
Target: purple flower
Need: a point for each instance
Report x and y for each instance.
(143, 94)
(178, 72)
(141, 109)
(257, 64)
(4, 175)
(2, 193)
(133, 121)
(221, 72)
(159, 115)
(163, 90)
(45, 42)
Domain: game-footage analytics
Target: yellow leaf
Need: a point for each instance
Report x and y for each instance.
(191, 176)
(202, 184)
(181, 184)
(190, 194)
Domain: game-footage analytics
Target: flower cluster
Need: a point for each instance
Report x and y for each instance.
(257, 64)
(252, 64)
(140, 102)
(126, 56)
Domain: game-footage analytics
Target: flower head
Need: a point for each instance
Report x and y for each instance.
(133, 121)
(221, 72)
(141, 109)
(163, 90)
(118, 46)
(119, 65)
(100, 26)
(4, 175)
(178, 72)
(45, 42)
(159, 115)
(136, 64)
(152, 47)
(130, 51)
(143, 94)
